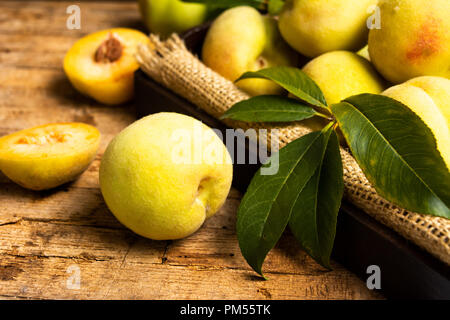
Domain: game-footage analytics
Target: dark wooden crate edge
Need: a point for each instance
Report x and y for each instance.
(407, 271)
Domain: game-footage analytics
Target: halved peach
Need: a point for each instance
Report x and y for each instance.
(101, 65)
(47, 156)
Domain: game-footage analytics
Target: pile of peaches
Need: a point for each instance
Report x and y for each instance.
(399, 48)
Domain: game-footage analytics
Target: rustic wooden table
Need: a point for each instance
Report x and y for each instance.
(49, 238)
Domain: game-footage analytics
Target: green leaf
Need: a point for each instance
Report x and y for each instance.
(293, 80)
(397, 152)
(259, 4)
(275, 7)
(314, 215)
(269, 109)
(266, 207)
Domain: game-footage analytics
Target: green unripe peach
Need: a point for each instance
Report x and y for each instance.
(168, 16)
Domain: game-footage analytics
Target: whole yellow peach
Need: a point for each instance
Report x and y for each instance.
(413, 41)
(429, 98)
(314, 27)
(242, 40)
(341, 74)
(164, 175)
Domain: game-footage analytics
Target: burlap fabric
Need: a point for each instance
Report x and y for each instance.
(172, 65)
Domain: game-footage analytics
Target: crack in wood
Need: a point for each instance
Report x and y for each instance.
(166, 248)
(10, 222)
(82, 256)
(19, 297)
(24, 67)
(65, 222)
(120, 267)
(10, 183)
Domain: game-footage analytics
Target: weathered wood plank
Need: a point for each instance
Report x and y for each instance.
(85, 236)
(46, 278)
(215, 244)
(50, 17)
(30, 97)
(33, 52)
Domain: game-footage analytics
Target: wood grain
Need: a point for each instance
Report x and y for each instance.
(42, 234)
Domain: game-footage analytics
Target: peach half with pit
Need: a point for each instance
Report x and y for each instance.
(101, 65)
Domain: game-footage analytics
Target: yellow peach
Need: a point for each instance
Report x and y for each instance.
(242, 40)
(47, 156)
(429, 98)
(314, 27)
(164, 175)
(102, 65)
(341, 74)
(413, 41)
